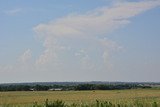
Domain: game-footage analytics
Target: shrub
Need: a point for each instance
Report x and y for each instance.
(57, 103)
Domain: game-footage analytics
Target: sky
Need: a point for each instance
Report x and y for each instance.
(79, 40)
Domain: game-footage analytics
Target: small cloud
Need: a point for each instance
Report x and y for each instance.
(80, 53)
(109, 44)
(26, 56)
(6, 68)
(85, 60)
(13, 11)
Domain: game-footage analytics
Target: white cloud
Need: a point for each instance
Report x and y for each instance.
(50, 53)
(97, 22)
(81, 52)
(85, 61)
(13, 11)
(108, 47)
(22, 64)
(91, 25)
(5, 68)
(26, 56)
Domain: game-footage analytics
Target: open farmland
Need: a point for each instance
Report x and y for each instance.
(24, 98)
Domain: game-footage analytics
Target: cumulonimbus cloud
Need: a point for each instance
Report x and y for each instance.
(92, 24)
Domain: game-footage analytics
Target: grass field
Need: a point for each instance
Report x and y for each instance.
(146, 96)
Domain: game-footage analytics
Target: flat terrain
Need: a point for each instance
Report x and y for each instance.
(115, 96)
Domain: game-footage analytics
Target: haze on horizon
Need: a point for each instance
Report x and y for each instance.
(82, 40)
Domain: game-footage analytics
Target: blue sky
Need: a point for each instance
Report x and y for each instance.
(82, 40)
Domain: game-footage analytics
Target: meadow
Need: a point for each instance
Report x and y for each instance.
(145, 97)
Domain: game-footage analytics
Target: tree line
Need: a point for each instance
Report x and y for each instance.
(70, 87)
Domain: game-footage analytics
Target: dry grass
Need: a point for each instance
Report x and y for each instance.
(115, 96)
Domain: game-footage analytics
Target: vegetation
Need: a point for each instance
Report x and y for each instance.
(94, 98)
(59, 103)
(97, 103)
(38, 87)
(108, 87)
(80, 95)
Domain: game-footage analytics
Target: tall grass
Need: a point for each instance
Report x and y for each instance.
(97, 103)
(112, 98)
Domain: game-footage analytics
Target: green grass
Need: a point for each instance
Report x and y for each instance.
(137, 97)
